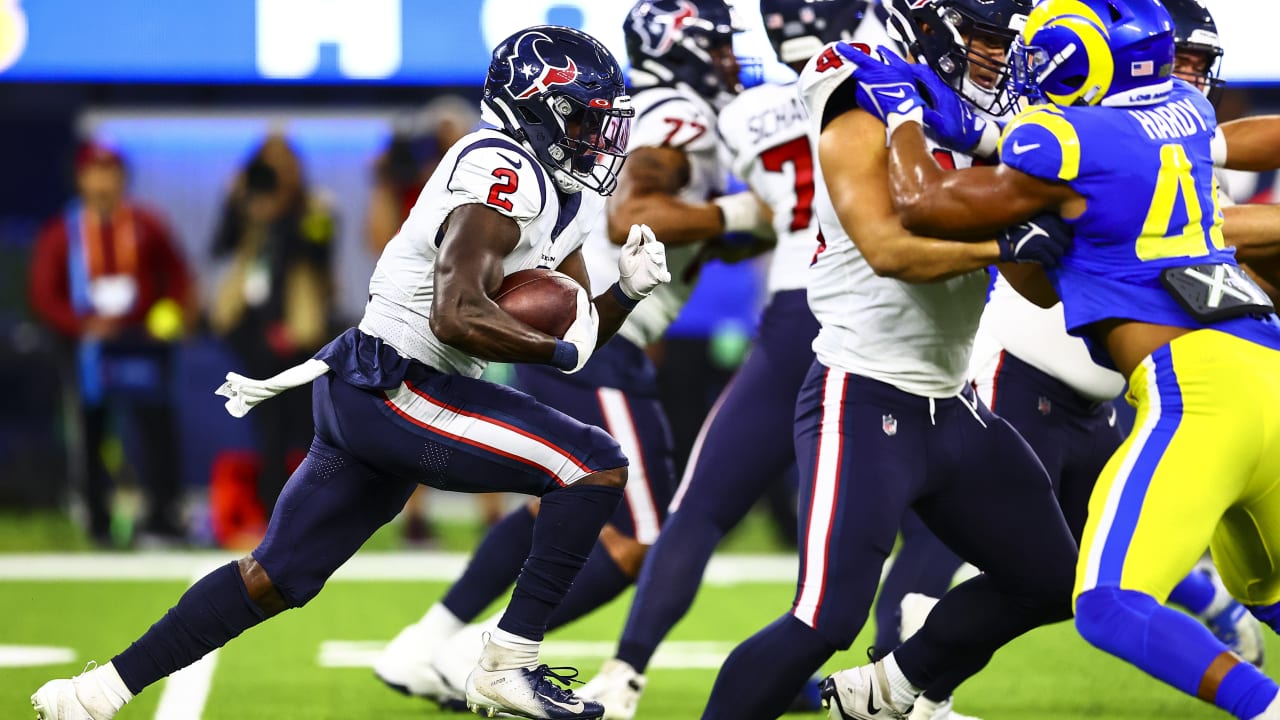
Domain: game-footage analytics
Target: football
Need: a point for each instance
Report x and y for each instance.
(543, 299)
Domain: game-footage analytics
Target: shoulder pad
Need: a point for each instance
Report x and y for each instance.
(825, 74)
(502, 175)
(1042, 142)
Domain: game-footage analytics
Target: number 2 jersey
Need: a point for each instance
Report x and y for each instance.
(489, 168)
(1147, 176)
(765, 132)
(916, 337)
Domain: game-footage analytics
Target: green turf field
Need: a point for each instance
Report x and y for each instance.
(273, 671)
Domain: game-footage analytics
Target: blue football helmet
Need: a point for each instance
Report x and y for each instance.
(682, 42)
(966, 42)
(1195, 42)
(798, 29)
(561, 93)
(1117, 53)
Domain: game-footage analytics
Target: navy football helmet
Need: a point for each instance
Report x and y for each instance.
(798, 29)
(1195, 39)
(965, 41)
(561, 93)
(683, 42)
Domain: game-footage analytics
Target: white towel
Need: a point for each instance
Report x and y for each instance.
(244, 393)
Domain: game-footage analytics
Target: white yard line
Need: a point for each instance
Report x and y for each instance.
(674, 655)
(186, 691)
(390, 566)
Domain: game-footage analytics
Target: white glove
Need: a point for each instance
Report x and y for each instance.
(642, 266)
(582, 333)
(243, 393)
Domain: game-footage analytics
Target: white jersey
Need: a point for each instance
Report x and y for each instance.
(765, 131)
(916, 337)
(1038, 337)
(664, 117)
(489, 168)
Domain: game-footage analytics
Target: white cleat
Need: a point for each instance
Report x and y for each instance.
(1239, 631)
(527, 693)
(915, 608)
(618, 687)
(926, 709)
(406, 666)
(860, 693)
(82, 697)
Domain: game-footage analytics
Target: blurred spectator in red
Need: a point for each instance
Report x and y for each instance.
(107, 276)
(274, 304)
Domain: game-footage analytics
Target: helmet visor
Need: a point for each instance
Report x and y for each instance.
(596, 143)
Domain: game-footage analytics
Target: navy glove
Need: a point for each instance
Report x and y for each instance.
(1043, 239)
(953, 121)
(886, 89)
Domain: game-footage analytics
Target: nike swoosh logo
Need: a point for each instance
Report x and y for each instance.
(517, 164)
(577, 707)
(1112, 420)
(871, 698)
(899, 93)
(1018, 148)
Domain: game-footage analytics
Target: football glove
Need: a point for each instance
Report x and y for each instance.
(1043, 239)
(642, 266)
(953, 121)
(581, 334)
(886, 88)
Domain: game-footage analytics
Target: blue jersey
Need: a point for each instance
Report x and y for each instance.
(1152, 203)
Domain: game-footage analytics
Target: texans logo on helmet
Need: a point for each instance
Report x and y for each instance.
(531, 73)
(661, 33)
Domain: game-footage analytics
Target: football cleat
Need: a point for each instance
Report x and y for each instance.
(82, 697)
(618, 687)
(926, 709)
(406, 666)
(915, 609)
(528, 693)
(860, 693)
(1239, 631)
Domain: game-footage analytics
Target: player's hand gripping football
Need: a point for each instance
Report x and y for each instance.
(1043, 239)
(953, 121)
(583, 332)
(642, 266)
(886, 87)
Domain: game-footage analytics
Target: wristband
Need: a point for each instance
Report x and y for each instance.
(989, 144)
(897, 120)
(741, 211)
(565, 356)
(627, 302)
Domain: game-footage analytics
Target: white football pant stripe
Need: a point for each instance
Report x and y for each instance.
(618, 421)
(826, 486)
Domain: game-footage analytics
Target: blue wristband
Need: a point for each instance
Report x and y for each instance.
(565, 356)
(627, 302)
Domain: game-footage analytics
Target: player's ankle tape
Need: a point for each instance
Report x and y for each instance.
(626, 301)
(565, 356)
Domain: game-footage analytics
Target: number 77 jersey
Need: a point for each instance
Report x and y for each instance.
(765, 135)
(1147, 177)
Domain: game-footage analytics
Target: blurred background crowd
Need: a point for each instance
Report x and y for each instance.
(190, 190)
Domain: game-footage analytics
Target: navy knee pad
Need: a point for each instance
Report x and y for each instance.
(1105, 617)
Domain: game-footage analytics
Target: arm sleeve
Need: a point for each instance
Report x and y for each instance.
(1043, 144)
(50, 290)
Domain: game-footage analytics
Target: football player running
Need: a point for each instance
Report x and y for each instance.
(398, 401)
(745, 443)
(683, 71)
(1154, 290)
(886, 420)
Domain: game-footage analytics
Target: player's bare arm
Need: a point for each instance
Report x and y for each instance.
(1253, 230)
(647, 193)
(1253, 143)
(958, 203)
(468, 270)
(854, 164)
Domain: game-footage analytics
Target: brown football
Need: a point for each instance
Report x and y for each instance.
(543, 299)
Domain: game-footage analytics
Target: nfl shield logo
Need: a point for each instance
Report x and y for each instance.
(1044, 406)
(889, 424)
